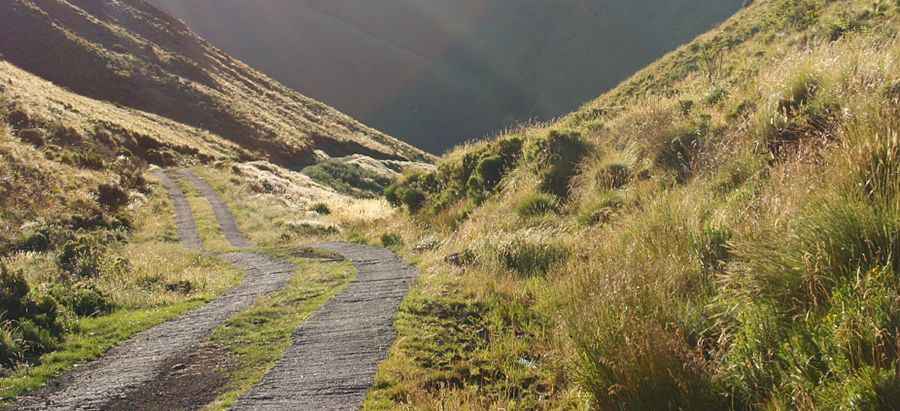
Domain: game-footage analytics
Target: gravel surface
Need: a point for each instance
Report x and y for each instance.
(141, 360)
(223, 213)
(335, 354)
(330, 366)
(184, 218)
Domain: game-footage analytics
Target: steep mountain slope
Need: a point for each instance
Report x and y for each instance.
(132, 54)
(439, 72)
(718, 232)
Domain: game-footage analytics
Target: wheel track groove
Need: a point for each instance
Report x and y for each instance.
(138, 361)
(330, 365)
(335, 355)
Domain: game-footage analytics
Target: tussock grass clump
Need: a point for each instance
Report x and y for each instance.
(600, 209)
(537, 204)
(555, 157)
(527, 257)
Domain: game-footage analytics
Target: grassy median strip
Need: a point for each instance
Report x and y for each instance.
(207, 225)
(258, 337)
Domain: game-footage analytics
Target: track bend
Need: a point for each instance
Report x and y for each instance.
(333, 359)
(130, 366)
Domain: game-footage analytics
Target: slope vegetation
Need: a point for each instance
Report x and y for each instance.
(718, 232)
(439, 72)
(132, 54)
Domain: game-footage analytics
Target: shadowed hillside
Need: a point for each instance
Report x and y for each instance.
(132, 54)
(718, 232)
(438, 72)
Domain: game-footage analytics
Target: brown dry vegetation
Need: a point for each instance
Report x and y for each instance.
(132, 54)
(718, 232)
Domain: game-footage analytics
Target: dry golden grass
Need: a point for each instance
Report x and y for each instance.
(730, 192)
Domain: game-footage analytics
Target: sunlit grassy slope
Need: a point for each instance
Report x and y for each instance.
(718, 232)
(132, 54)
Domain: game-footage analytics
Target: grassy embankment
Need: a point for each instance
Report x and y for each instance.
(718, 232)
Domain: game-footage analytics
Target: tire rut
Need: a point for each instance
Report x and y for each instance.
(335, 355)
(223, 214)
(184, 217)
(139, 361)
(330, 365)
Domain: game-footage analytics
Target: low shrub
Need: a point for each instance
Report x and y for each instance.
(82, 299)
(537, 204)
(391, 240)
(530, 258)
(486, 177)
(321, 209)
(350, 179)
(33, 136)
(555, 158)
(715, 96)
(32, 323)
(90, 255)
(401, 195)
(42, 236)
(162, 157)
(111, 196)
(310, 228)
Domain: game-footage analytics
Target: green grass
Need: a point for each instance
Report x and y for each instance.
(258, 337)
(350, 179)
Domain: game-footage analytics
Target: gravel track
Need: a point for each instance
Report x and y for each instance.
(336, 352)
(223, 213)
(184, 218)
(330, 366)
(140, 360)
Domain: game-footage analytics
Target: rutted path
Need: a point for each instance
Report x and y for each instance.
(335, 354)
(132, 365)
(223, 215)
(330, 366)
(184, 218)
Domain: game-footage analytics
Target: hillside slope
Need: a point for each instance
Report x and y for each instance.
(132, 54)
(439, 72)
(717, 232)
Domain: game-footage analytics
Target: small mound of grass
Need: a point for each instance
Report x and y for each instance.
(537, 204)
(530, 258)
